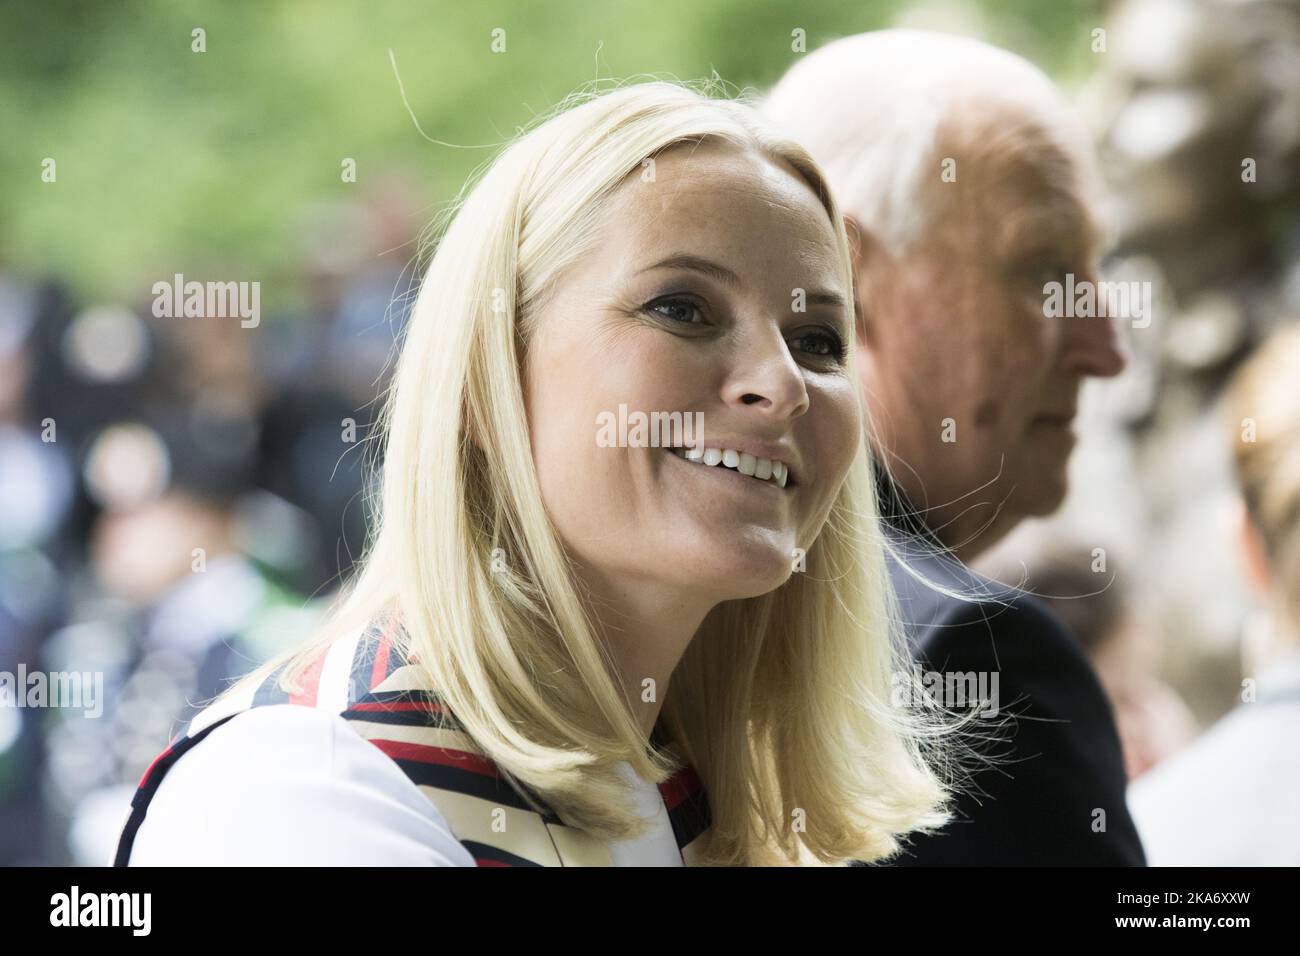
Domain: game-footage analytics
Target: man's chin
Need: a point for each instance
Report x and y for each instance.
(1042, 495)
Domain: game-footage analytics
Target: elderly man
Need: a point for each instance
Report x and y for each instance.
(966, 191)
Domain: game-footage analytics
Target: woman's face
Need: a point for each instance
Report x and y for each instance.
(714, 287)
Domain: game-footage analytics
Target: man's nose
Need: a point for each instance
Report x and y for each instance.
(1092, 346)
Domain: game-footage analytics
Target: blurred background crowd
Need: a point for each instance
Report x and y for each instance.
(179, 497)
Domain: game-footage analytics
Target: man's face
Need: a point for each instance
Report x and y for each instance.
(973, 388)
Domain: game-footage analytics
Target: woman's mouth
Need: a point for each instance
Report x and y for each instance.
(765, 470)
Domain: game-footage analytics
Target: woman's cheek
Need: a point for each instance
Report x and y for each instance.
(845, 431)
(834, 434)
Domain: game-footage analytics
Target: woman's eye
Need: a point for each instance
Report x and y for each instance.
(677, 310)
(822, 345)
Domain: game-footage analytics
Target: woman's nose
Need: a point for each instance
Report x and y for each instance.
(768, 379)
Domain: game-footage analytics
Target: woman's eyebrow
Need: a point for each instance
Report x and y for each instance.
(693, 263)
(714, 270)
(819, 297)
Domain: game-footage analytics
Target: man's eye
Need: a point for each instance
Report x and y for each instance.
(1038, 274)
(822, 344)
(677, 310)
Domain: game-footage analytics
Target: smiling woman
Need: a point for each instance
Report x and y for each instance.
(561, 653)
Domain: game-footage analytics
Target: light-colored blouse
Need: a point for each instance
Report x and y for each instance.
(285, 785)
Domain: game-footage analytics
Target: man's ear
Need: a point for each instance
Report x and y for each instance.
(855, 237)
(863, 249)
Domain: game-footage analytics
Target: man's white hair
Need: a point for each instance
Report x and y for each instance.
(875, 109)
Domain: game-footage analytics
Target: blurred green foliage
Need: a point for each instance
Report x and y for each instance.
(174, 161)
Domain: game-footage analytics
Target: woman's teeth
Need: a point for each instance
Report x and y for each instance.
(763, 469)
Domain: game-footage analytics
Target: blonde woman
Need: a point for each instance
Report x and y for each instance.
(562, 650)
(1229, 798)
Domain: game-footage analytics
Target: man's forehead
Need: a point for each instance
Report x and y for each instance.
(1059, 219)
(1027, 187)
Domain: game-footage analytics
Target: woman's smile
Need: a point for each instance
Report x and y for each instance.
(775, 470)
(711, 468)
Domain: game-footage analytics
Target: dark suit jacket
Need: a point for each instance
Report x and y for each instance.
(1059, 758)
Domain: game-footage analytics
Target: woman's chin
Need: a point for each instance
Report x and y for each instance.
(735, 574)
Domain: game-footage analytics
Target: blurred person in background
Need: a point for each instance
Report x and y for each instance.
(1229, 799)
(1196, 107)
(127, 443)
(37, 543)
(184, 594)
(967, 186)
(1121, 640)
(325, 362)
(178, 591)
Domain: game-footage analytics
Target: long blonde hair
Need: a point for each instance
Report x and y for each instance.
(782, 703)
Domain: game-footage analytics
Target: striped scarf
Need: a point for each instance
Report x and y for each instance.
(366, 680)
